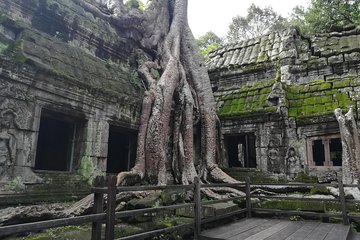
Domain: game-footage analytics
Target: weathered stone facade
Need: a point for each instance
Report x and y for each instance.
(60, 65)
(283, 88)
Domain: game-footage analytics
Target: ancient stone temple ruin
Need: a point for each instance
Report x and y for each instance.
(276, 97)
(70, 95)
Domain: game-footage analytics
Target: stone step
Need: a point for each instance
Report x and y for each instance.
(255, 175)
(218, 209)
(54, 188)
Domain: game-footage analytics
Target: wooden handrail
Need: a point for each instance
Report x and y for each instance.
(41, 225)
(295, 212)
(143, 188)
(214, 185)
(98, 217)
(295, 198)
(157, 232)
(131, 213)
(297, 184)
(222, 200)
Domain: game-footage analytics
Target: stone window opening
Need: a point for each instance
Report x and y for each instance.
(336, 152)
(324, 151)
(318, 152)
(56, 142)
(241, 150)
(121, 150)
(274, 101)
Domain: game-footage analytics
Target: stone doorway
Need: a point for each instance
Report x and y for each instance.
(241, 150)
(55, 145)
(121, 150)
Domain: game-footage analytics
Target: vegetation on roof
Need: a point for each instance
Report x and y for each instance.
(320, 98)
(246, 100)
(315, 99)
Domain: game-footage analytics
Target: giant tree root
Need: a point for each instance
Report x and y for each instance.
(180, 100)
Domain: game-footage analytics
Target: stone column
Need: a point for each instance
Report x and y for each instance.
(95, 144)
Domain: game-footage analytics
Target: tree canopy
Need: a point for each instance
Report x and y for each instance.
(209, 42)
(257, 22)
(319, 16)
(325, 15)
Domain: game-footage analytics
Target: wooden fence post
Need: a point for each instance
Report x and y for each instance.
(343, 202)
(98, 208)
(197, 208)
(248, 197)
(110, 208)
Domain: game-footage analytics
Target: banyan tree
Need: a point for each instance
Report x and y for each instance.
(177, 102)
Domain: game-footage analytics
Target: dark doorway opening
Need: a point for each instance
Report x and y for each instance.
(336, 151)
(318, 153)
(55, 142)
(241, 150)
(121, 150)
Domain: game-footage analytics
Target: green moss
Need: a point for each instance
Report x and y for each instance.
(325, 86)
(155, 74)
(313, 58)
(127, 231)
(293, 112)
(306, 205)
(305, 178)
(255, 176)
(252, 92)
(313, 88)
(87, 170)
(247, 100)
(317, 98)
(296, 89)
(132, 75)
(16, 185)
(319, 190)
(344, 83)
(252, 67)
(343, 100)
(3, 47)
(319, 109)
(3, 18)
(262, 57)
(172, 221)
(318, 81)
(15, 50)
(62, 233)
(325, 99)
(265, 90)
(270, 109)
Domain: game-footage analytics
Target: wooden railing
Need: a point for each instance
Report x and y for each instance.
(341, 199)
(110, 217)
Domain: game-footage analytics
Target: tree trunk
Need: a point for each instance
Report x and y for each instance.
(183, 93)
(186, 83)
(350, 146)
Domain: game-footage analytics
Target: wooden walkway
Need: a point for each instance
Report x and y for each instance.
(274, 229)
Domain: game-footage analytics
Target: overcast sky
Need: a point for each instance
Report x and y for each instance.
(216, 15)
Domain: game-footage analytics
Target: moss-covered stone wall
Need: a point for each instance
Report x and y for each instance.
(283, 88)
(57, 57)
(246, 101)
(320, 98)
